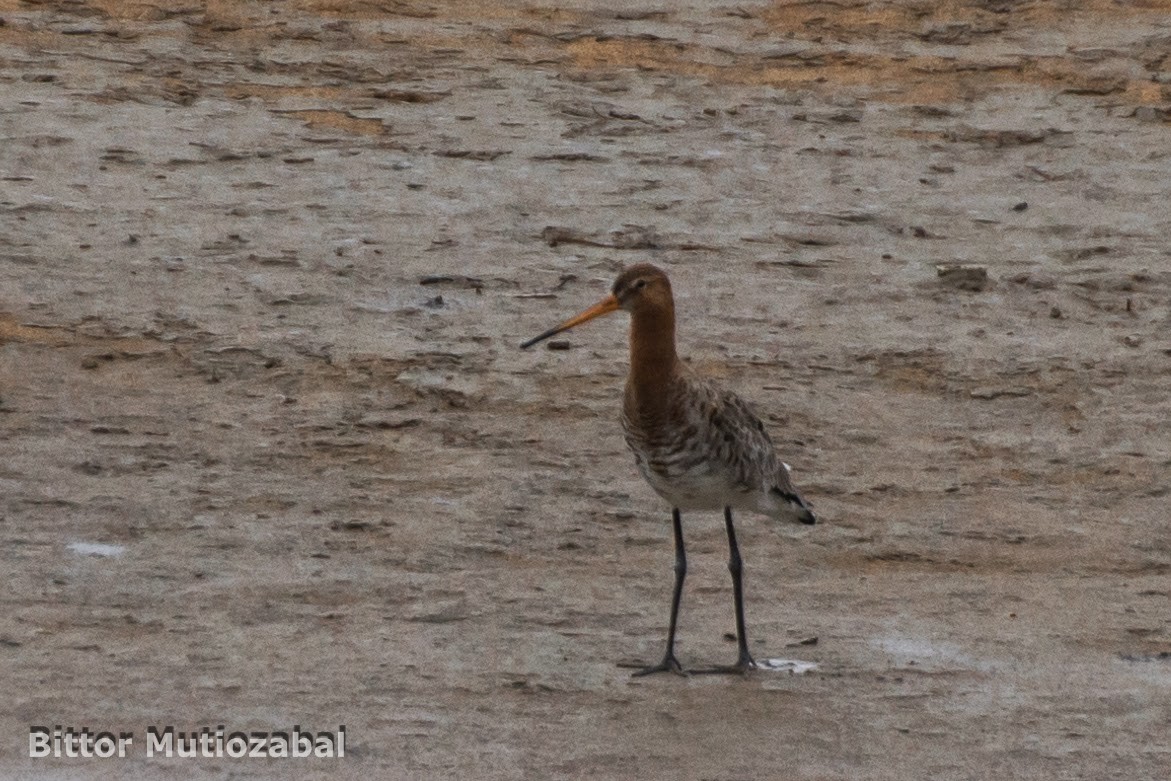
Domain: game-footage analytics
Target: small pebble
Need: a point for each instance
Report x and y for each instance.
(963, 276)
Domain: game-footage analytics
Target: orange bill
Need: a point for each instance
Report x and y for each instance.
(604, 307)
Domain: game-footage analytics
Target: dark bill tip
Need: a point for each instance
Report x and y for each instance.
(541, 338)
(604, 307)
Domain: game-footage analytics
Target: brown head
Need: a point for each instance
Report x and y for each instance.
(642, 290)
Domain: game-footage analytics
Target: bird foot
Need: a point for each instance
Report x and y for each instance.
(669, 665)
(742, 666)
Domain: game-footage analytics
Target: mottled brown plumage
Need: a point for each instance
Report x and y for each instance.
(698, 446)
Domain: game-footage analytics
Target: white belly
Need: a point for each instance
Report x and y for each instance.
(700, 488)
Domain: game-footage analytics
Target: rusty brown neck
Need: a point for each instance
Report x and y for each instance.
(653, 361)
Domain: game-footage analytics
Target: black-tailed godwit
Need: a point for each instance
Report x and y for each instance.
(700, 447)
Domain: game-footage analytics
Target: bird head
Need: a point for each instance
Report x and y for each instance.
(642, 288)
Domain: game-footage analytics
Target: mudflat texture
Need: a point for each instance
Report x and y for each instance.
(269, 454)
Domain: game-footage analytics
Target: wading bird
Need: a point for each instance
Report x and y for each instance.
(699, 447)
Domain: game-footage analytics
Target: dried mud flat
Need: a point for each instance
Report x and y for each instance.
(270, 454)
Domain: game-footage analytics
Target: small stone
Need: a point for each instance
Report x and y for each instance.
(963, 276)
(1035, 280)
(1152, 114)
(559, 344)
(996, 393)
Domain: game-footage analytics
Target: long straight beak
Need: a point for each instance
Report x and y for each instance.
(604, 307)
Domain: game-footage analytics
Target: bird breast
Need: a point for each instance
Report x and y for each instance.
(698, 447)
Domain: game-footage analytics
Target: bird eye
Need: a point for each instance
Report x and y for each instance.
(640, 284)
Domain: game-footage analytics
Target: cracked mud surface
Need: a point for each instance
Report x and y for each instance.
(263, 271)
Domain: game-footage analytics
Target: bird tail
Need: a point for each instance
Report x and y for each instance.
(800, 509)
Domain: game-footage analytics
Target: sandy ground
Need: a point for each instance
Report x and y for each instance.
(263, 271)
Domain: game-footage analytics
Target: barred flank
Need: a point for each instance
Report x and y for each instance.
(695, 425)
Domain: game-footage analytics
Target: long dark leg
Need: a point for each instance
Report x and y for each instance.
(745, 662)
(736, 567)
(670, 663)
